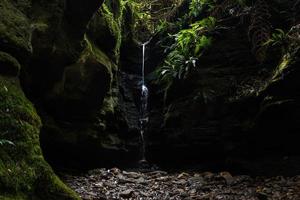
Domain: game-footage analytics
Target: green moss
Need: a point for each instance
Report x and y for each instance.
(105, 29)
(9, 65)
(115, 7)
(24, 174)
(128, 22)
(110, 17)
(13, 197)
(92, 50)
(286, 59)
(109, 105)
(14, 31)
(114, 26)
(110, 100)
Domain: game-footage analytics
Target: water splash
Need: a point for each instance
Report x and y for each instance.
(144, 105)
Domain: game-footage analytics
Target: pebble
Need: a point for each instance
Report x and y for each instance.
(127, 193)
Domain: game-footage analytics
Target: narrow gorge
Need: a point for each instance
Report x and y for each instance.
(132, 99)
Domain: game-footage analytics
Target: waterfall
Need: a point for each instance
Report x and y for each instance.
(143, 120)
(143, 65)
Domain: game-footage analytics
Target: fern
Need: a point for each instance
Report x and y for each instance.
(285, 40)
(278, 38)
(202, 44)
(186, 39)
(205, 25)
(162, 25)
(190, 44)
(196, 7)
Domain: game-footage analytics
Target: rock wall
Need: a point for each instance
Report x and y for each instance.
(226, 106)
(45, 51)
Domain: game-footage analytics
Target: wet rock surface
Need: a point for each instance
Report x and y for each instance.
(155, 184)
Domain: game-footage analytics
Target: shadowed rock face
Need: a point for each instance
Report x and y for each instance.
(231, 104)
(37, 39)
(220, 110)
(78, 14)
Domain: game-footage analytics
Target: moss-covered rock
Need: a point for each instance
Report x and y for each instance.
(58, 29)
(72, 79)
(83, 87)
(9, 65)
(105, 28)
(14, 31)
(55, 44)
(24, 174)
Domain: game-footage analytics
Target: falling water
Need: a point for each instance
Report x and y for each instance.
(144, 104)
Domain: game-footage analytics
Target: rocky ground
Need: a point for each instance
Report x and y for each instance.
(155, 184)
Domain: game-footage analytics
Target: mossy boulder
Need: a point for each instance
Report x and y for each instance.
(83, 87)
(80, 111)
(106, 26)
(38, 36)
(9, 65)
(14, 31)
(56, 44)
(24, 174)
(58, 29)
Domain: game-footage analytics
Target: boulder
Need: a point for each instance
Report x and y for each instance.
(24, 174)
(84, 85)
(105, 28)
(14, 31)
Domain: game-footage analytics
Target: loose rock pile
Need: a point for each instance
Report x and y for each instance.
(160, 185)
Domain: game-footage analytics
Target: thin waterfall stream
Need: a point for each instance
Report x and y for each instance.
(143, 120)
